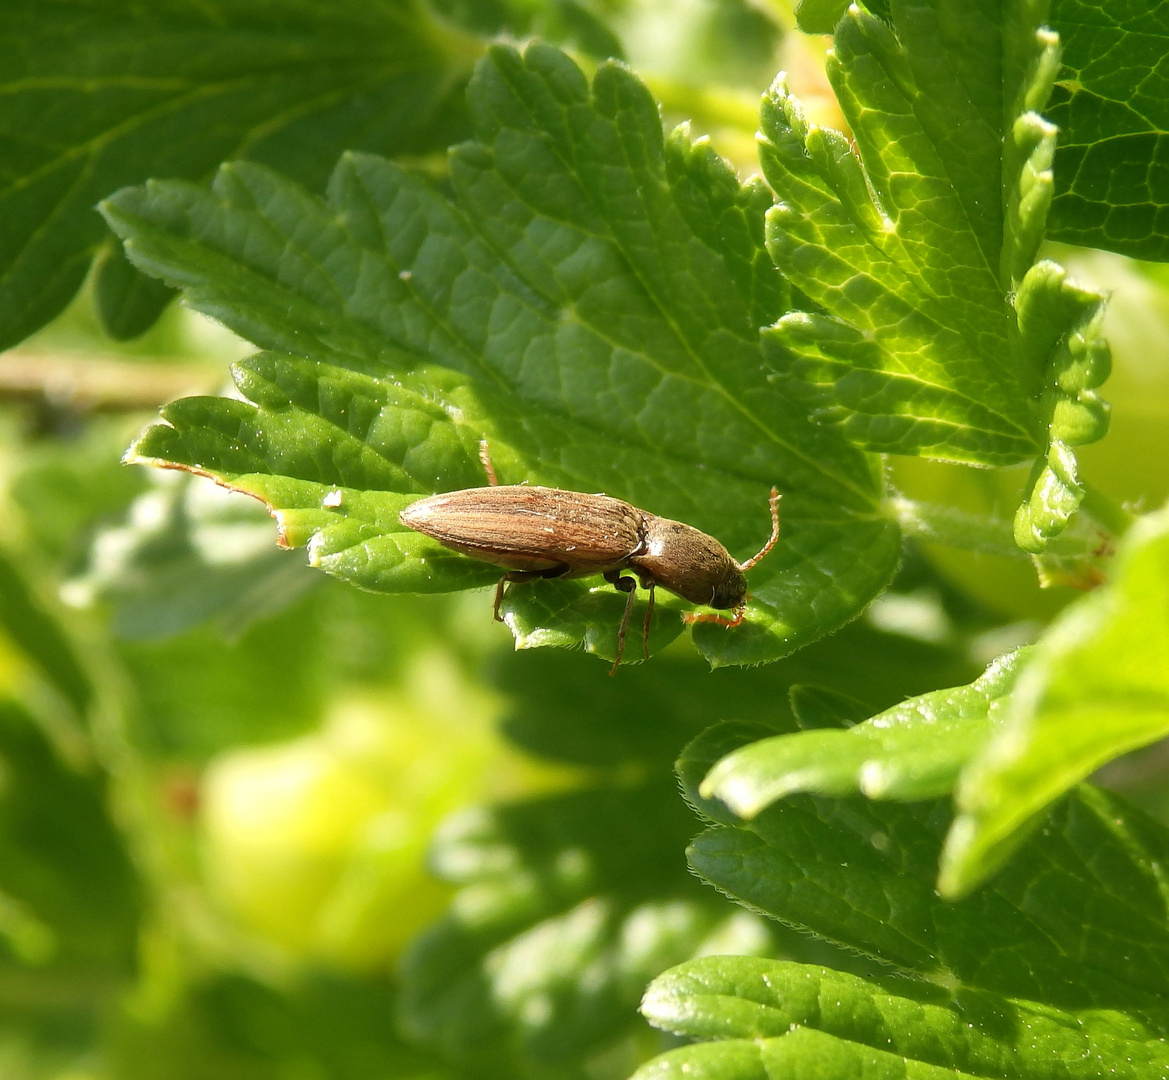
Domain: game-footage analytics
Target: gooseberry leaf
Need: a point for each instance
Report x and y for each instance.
(1111, 170)
(117, 92)
(912, 751)
(1037, 722)
(127, 301)
(936, 333)
(1097, 687)
(819, 16)
(595, 322)
(1112, 107)
(777, 1018)
(557, 709)
(1066, 949)
(819, 707)
(1060, 962)
(1078, 920)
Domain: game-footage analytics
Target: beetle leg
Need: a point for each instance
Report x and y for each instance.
(774, 503)
(523, 575)
(488, 468)
(499, 596)
(625, 585)
(647, 582)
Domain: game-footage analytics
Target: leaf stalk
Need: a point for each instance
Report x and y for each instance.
(1104, 511)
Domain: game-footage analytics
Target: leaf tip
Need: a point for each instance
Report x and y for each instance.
(958, 871)
(141, 452)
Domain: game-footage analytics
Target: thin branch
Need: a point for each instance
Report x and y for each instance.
(86, 384)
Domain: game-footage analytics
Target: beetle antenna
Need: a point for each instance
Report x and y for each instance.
(485, 459)
(774, 501)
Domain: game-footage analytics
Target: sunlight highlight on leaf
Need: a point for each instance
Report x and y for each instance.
(937, 336)
(1097, 687)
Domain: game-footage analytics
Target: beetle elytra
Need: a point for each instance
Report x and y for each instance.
(539, 532)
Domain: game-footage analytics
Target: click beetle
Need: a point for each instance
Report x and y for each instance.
(540, 532)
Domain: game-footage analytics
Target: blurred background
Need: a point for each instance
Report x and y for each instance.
(257, 824)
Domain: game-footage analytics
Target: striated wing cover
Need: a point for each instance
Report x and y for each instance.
(531, 528)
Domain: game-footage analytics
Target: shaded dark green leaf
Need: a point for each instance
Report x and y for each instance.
(559, 710)
(104, 94)
(817, 707)
(1077, 920)
(128, 302)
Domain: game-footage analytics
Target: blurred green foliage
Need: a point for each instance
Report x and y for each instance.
(256, 824)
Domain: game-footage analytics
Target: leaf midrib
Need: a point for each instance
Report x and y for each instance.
(814, 465)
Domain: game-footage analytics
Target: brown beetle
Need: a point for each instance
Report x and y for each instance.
(540, 532)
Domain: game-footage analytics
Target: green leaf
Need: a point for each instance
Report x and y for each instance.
(104, 94)
(557, 615)
(1097, 687)
(1061, 321)
(1112, 106)
(558, 709)
(546, 895)
(819, 16)
(819, 707)
(69, 894)
(188, 552)
(912, 751)
(598, 326)
(128, 302)
(781, 1019)
(1110, 168)
(1056, 968)
(935, 334)
(1076, 921)
(42, 638)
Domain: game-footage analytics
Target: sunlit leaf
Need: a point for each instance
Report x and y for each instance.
(599, 327)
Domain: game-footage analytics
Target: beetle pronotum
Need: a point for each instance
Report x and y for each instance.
(540, 532)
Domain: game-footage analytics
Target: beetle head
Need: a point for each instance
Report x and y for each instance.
(729, 592)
